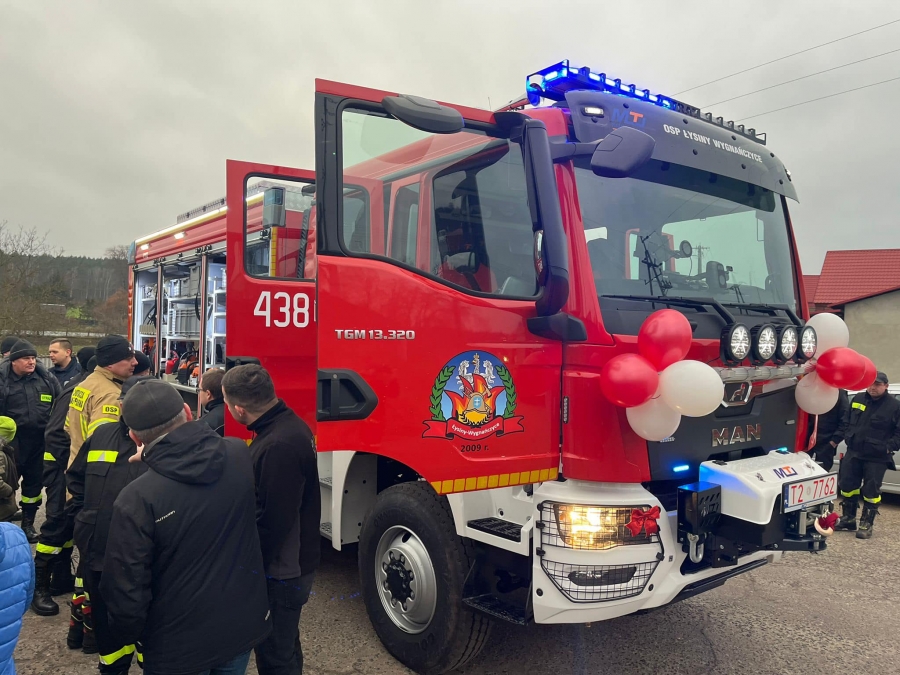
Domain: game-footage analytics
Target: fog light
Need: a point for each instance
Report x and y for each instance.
(735, 343)
(765, 342)
(604, 576)
(787, 343)
(808, 343)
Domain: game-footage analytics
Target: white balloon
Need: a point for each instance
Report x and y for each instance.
(653, 420)
(692, 388)
(814, 396)
(831, 332)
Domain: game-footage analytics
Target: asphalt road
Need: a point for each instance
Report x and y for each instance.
(834, 613)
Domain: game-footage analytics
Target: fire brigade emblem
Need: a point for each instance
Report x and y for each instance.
(473, 397)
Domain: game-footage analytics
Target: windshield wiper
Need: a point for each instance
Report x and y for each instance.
(696, 303)
(771, 310)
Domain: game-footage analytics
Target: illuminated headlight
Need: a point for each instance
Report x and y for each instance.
(593, 527)
(765, 342)
(736, 343)
(787, 343)
(809, 342)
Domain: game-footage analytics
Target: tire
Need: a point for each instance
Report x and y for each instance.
(439, 633)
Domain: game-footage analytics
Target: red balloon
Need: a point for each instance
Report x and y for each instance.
(841, 367)
(665, 338)
(868, 378)
(629, 380)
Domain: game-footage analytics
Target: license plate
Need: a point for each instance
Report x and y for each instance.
(810, 491)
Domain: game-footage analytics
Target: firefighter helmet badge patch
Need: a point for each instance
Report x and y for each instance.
(473, 397)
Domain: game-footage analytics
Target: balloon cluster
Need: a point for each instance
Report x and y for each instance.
(657, 386)
(836, 367)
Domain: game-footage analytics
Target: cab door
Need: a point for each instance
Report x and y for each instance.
(271, 290)
(426, 283)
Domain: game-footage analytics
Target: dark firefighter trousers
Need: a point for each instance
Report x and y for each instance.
(29, 444)
(114, 656)
(55, 543)
(854, 471)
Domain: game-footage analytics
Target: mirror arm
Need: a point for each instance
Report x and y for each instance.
(561, 150)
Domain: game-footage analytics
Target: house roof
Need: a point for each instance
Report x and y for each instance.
(810, 283)
(866, 296)
(851, 275)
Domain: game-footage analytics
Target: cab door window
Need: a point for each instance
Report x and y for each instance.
(278, 228)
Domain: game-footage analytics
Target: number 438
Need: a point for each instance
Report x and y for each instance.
(285, 309)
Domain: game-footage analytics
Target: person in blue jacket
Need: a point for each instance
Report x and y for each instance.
(16, 589)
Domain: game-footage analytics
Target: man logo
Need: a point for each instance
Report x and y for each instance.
(739, 394)
(739, 434)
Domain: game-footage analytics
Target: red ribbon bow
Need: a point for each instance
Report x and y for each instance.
(643, 520)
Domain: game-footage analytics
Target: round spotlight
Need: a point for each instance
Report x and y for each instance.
(765, 342)
(787, 343)
(809, 342)
(736, 343)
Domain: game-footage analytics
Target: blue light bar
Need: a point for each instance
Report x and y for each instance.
(680, 468)
(554, 81)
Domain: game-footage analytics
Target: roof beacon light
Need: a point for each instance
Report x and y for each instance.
(554, 81)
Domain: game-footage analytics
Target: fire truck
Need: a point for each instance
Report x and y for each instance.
(438, 299)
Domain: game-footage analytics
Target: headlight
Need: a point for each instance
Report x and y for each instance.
(735, 343)
(787, 343)
(593, 527)
(809, 342)
(765, 342)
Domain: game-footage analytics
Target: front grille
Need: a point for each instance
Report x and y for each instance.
(615, 531)
(593, 583)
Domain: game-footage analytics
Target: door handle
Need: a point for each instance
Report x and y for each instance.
(343, 395)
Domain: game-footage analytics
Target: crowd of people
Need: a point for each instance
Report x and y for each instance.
(193, 551)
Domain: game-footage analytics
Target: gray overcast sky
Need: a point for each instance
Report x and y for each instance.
(117, 116)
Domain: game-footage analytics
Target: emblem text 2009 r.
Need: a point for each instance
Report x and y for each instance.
(738, 434)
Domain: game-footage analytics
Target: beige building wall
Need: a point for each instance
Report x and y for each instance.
(875, 331)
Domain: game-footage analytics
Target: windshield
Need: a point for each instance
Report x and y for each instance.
(676, 231)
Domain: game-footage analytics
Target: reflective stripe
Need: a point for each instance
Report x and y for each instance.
(854, 493)
(48, 457)
(109, 659)
(140, 656)
(859, 406)
(52, 550)
(32, 500)
(79, 582)
(69, 544)
(92, 427)
(872, 501)
(102, 455)
(84, 431)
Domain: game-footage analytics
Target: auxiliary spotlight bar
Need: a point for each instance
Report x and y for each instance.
(554, 81)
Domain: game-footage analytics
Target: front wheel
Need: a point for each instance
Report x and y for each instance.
(412, 567)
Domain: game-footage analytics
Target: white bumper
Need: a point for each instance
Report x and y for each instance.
(652, 569)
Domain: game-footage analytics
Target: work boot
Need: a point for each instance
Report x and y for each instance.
(17, 516)
(848, 519)
(28, 528)
(89, 643)
(62, 581)
(866, 522)
(75, 637)
(42, 604)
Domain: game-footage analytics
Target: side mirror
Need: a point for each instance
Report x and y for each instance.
(622, 153)
(424, 114)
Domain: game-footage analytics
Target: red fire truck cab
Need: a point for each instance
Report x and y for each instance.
(437, 300)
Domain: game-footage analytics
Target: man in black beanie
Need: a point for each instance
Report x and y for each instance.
(53, 553)
(27, 394)
(183, 551)
(95, 400)
(142, 369)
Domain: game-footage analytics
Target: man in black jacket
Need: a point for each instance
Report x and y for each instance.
(65, 366)
(100, 471)
(872, 431)
(825, 432)
(288, 508)
(210, 395)
(53, 553)
(27, 394)
(183, 551)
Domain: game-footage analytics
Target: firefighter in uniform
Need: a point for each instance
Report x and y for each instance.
(100, 471)
(27, 394)
(872, 431)
(95, 402)
(53, 553)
